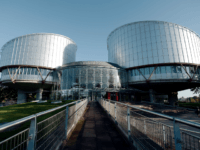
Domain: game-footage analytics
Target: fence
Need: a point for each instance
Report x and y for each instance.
(47, 134)
(146, 133)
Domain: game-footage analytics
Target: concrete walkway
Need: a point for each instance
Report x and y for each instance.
(97, 132)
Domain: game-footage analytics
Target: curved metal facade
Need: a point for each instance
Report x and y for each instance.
(153, 42)
(91, 74)
(155, 51)
(42, 49)
(34, 56)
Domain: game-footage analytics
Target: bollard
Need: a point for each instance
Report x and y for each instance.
(32, 134)
(177, 136)
(128, 123)
(66, 121)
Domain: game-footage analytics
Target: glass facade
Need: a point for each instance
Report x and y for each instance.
(89, 75)
(164, 72)
(26, 73)
(152, 42)
(43, 49)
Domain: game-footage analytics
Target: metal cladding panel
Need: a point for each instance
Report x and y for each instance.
(152, 42)
(43, 49)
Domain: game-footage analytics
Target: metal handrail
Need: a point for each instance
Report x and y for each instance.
(13, 136)
(16, 122)
(161, 115)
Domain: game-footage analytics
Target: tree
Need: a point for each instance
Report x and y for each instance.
(195, 90)
(7, 93)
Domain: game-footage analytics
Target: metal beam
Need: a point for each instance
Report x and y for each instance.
(194, 72)
(141, 74)
(40, 73)
(10, 74)
(16, 72)
(186, 71)
(47, 76)
(152, 73)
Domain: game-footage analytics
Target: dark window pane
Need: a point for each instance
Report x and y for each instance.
(198, 71)
(131, 73)
(191, 69)
(173, 69)
(179, 69)
(29, 71)
(25, 70)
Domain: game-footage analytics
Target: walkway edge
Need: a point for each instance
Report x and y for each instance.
(119, 129)
(61, 145)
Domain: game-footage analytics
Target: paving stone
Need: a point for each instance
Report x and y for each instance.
(89, 133)
(98, 132)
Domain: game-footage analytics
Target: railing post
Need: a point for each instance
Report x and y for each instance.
(164, 134)
(177, 136)
(32, 134)
(109, 108)
(128, 122)
(134, 123)
(115, 113)
(145, 127)
(66, 121)
(76, 112)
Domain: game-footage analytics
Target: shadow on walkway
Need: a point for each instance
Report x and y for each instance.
(95, 131)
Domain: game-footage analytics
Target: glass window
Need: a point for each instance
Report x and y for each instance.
(151, 70)
(147, 71)
(137, 72)
(25, 70)
(51, 74)
(32, 71)
(191, 69)
(19, 71)
(168, 69)
(163, 69)
(157, 71)
(178, 68)
(198, 70)
(142, 70)
(44, 72)
(173, 69)
(133, 72)
(36, 71)
(29, 71)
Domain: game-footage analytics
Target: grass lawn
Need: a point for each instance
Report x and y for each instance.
(17, 111)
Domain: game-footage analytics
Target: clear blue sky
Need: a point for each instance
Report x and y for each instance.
(89, 22)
